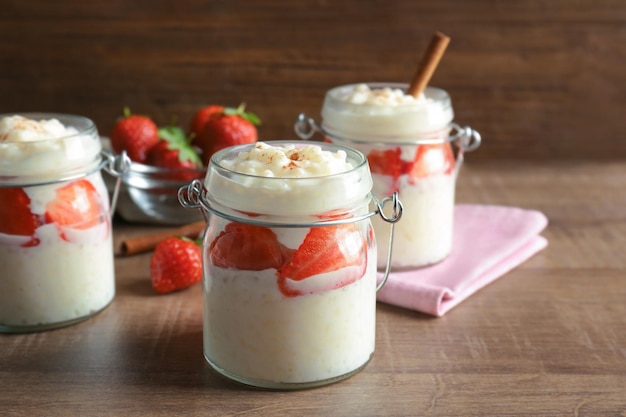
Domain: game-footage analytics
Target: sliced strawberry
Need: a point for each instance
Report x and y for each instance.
(436, 158)
(77, 205)
(387, 162)
(248, 247)
(430, 159)
(325, 249)
(15, 215)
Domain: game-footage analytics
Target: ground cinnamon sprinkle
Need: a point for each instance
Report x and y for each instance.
(290, 165)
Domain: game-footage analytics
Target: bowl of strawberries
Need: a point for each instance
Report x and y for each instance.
(163, 159)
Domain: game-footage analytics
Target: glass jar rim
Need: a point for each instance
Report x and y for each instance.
(404, 122)
(287, 196)
(96, 165)
(433, 93)
(47, 160)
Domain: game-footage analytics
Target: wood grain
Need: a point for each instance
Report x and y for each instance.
(538, 78)
(547, 339)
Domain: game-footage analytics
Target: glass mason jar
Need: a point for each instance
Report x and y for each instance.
(290, 275)
(56, 250)
(408, 144)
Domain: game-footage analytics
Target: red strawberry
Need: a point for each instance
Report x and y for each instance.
(201, 117)
(248, 248)
(387, 162)
(436, 158)
(176, 263)
(15, 215)
(229, 128)
(173, 151)
(135, 134)
(429, 159)
(77, 205)
(324, 249)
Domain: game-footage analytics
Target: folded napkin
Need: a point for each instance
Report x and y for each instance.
(489, 241)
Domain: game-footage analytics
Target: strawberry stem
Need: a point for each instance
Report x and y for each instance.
(240, 111)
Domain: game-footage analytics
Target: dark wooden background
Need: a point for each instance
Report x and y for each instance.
(538, 78)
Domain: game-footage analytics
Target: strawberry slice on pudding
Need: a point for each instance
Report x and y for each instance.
(77, 206)
(429, 159)
(248, 248)
(330, 257)
(16, 218)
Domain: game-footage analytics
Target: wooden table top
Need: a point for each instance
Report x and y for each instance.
(548, 338)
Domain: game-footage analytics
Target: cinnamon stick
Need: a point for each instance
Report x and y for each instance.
(139, 244)
(430, 60)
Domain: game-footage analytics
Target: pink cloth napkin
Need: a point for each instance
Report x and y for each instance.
(489, 241)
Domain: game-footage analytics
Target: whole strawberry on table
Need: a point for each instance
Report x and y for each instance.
(176, 264)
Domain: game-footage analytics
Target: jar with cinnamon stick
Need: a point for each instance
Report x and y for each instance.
(413, 148)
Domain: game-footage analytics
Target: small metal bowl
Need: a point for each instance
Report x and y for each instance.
(149, 194)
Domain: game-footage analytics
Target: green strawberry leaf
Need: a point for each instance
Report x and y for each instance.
(240, 111)
(252, 118)
(177, 140)
(173, 134)
(188, 153)
(197, 240)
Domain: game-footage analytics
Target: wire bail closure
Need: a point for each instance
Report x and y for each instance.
(465, 138)
(398, 209)
(117, 166)
(195, 196)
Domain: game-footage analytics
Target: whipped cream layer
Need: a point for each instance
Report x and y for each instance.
(287, 161)
(39, 148)
(379, 112)
(288, 179)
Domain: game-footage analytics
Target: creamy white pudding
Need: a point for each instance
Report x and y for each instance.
(253, 332)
